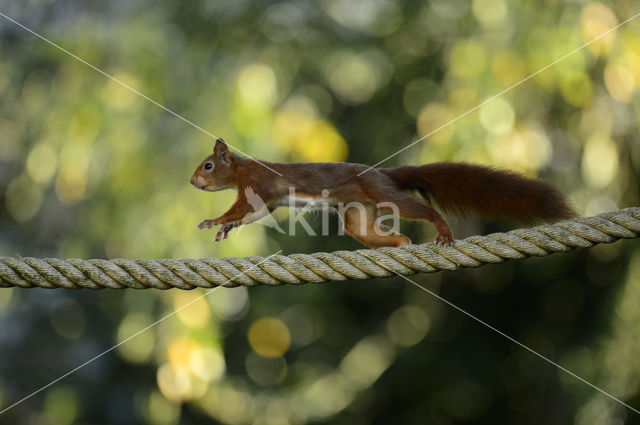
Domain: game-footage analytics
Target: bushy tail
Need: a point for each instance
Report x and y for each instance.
(461, 188)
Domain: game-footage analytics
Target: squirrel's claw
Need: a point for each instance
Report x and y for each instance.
(444, 240)
(223, 232)
(206, 224)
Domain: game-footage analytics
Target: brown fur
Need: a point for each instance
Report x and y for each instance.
(456, 187)
(462, 188)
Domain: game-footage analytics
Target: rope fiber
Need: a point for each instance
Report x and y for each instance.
(320, 267)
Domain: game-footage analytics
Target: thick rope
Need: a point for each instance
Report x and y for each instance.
(474, 251)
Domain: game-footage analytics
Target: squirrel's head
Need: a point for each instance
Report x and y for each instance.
(217, 171)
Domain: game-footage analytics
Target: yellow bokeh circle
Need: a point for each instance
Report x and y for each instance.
(269, 337)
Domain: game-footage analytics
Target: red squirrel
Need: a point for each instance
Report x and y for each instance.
(456, 187)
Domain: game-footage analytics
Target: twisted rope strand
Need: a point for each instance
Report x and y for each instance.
(320, 267)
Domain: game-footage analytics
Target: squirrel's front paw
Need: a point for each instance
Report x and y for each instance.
(208, 224)
(444, 239)
(223, 232)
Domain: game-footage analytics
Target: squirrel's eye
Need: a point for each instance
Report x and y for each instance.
(208, 166)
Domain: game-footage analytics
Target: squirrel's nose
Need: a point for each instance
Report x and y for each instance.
(192, 181)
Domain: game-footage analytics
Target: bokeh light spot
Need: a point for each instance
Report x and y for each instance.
(85, 124)
(173, 382)
(597, 19)
(179, 351)
(42, 163)
(599, 161)
(377, 17)
(257, 84)
(524, 149)
(23, 199)
(431, 119)
(489, 13)
(408, 325)
(356, 76)
(300, 321)
(507, 67)
(207, 364)
(230, 304)
(576, 88)
(321, 142)
(230, 405)
(269, 337)
(7, 297)
(599, 204)
(118, 96)
(282, 22)
(197, 313)
(497, 116)
(367, 360)
(309, 138)
(468, 59)
(619, 82)
(61, 406)
(71, 182)
(265, 371)
(160, 411)
(138, 349)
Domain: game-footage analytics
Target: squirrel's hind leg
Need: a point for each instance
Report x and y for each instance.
(360, 224)
(410, 208)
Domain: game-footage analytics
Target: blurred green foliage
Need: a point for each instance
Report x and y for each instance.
(90, 169)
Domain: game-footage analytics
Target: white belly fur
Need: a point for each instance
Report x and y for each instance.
(307, 202)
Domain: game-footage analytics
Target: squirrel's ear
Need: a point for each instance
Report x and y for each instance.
(221, 151)
(220, 144)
